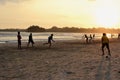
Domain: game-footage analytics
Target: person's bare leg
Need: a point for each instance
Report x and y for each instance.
(20, 47)
(32, 44)
(49, 45)
(103, 49)
(109, 51)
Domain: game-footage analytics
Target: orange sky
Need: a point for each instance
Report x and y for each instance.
(61, 13)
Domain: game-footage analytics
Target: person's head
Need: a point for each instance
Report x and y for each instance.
(30, 33)
(51, 34)
(18, 32)
(85, 35)
(104, 34)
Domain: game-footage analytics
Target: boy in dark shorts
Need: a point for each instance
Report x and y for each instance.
(50, 38)
(19, 40)
(105, 43)
(30, 40)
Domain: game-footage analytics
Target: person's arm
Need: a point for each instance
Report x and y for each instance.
(52, 39)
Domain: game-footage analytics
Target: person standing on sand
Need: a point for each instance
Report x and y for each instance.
(19, 40)
(30, 40)
(105, 43)
(50, 38)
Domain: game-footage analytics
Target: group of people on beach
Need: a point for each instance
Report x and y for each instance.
(30, 40)
(104, 40)
(90, 38)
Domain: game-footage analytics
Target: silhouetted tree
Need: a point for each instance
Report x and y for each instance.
(34, 28)
(54, 29)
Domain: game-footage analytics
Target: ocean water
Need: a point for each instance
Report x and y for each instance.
(43, 36)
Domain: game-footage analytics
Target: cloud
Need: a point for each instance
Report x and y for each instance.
(13, 1)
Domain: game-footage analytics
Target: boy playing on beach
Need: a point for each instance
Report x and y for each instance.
(105, 43)
(30, 40)
(19, 40)
(86, 37)
(90, 40)
(50, 38)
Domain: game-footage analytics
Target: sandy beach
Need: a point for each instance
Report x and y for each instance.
(66, 60)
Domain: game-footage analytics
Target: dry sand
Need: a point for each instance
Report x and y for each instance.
(72, 60)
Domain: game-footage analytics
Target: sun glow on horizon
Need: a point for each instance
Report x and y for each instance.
(61, 13)
(85, 12)
(106, 18)
(106, 15)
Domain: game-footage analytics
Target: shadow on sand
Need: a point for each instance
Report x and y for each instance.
(104, 63)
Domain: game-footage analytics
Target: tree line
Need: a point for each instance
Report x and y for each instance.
(36, 28)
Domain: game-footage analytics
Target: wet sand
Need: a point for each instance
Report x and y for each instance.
(66, 60)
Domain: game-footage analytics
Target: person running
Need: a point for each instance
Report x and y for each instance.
(105, 43)
(50, 38)
(30, 40)
(19, 40)
(86, 37)
(93, 36)
(90, 40)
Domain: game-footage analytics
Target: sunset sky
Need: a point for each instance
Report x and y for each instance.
(61, 13)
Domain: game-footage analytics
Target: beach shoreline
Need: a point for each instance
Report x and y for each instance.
(65, 60)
